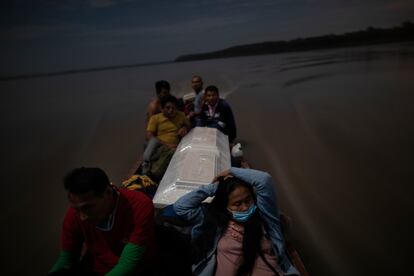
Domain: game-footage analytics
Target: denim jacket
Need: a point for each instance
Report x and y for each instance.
(189, 207)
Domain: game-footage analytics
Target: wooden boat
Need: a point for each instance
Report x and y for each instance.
(173, 233)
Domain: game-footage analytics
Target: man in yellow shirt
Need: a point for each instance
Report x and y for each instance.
(166, 128)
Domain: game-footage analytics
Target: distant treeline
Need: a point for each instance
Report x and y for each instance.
(404, 32)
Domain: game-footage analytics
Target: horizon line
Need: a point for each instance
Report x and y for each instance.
(116, 67)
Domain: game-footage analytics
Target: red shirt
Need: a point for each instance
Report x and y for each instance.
(134, 223)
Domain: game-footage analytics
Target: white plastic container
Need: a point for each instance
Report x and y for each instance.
(201, 155)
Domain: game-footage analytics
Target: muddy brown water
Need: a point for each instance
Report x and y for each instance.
(334, 128)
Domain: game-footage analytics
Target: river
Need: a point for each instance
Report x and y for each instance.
(333, 127)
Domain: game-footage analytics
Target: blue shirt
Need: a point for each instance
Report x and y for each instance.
(189, 207)
(197, 101)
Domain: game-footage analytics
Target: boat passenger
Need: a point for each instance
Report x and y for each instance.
(217, 113)
(165, 128)
(114, 225)
(239, 232)
(162, 89)
(197, 86)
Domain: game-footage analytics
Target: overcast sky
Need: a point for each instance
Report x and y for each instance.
(52, 35)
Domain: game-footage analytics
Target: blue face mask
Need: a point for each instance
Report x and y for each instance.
(244, 216)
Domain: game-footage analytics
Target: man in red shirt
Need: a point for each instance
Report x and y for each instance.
(115, 225)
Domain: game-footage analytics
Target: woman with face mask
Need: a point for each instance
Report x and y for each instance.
(239, 232)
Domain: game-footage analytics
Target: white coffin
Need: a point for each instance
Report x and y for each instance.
(201, 155)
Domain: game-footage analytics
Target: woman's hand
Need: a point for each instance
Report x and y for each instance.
(226, 174)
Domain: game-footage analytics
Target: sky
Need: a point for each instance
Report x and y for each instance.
(56, 35)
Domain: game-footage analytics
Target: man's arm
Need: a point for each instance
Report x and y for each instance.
(182, 131)
(64, 262)
(152, 109)
(198, 104)
(130, 257)
(140, 239)
(186, 125)
(149, 135)
(71, 240)
(202, 118)
(152, 127)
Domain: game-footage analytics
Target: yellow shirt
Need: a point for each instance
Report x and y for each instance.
(165, 129)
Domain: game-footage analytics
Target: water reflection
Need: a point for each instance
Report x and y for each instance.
(333, 127)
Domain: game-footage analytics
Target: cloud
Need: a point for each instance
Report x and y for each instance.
(195, 26)
(188, 27)
(77, 4)
(233, 4)
(102, 3)
(30, 32)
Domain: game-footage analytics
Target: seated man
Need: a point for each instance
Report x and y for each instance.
(165, 128)
(114, 225)
(217, 113)
(162, 89)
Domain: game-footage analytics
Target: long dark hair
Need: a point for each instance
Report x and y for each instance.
(218, 217)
